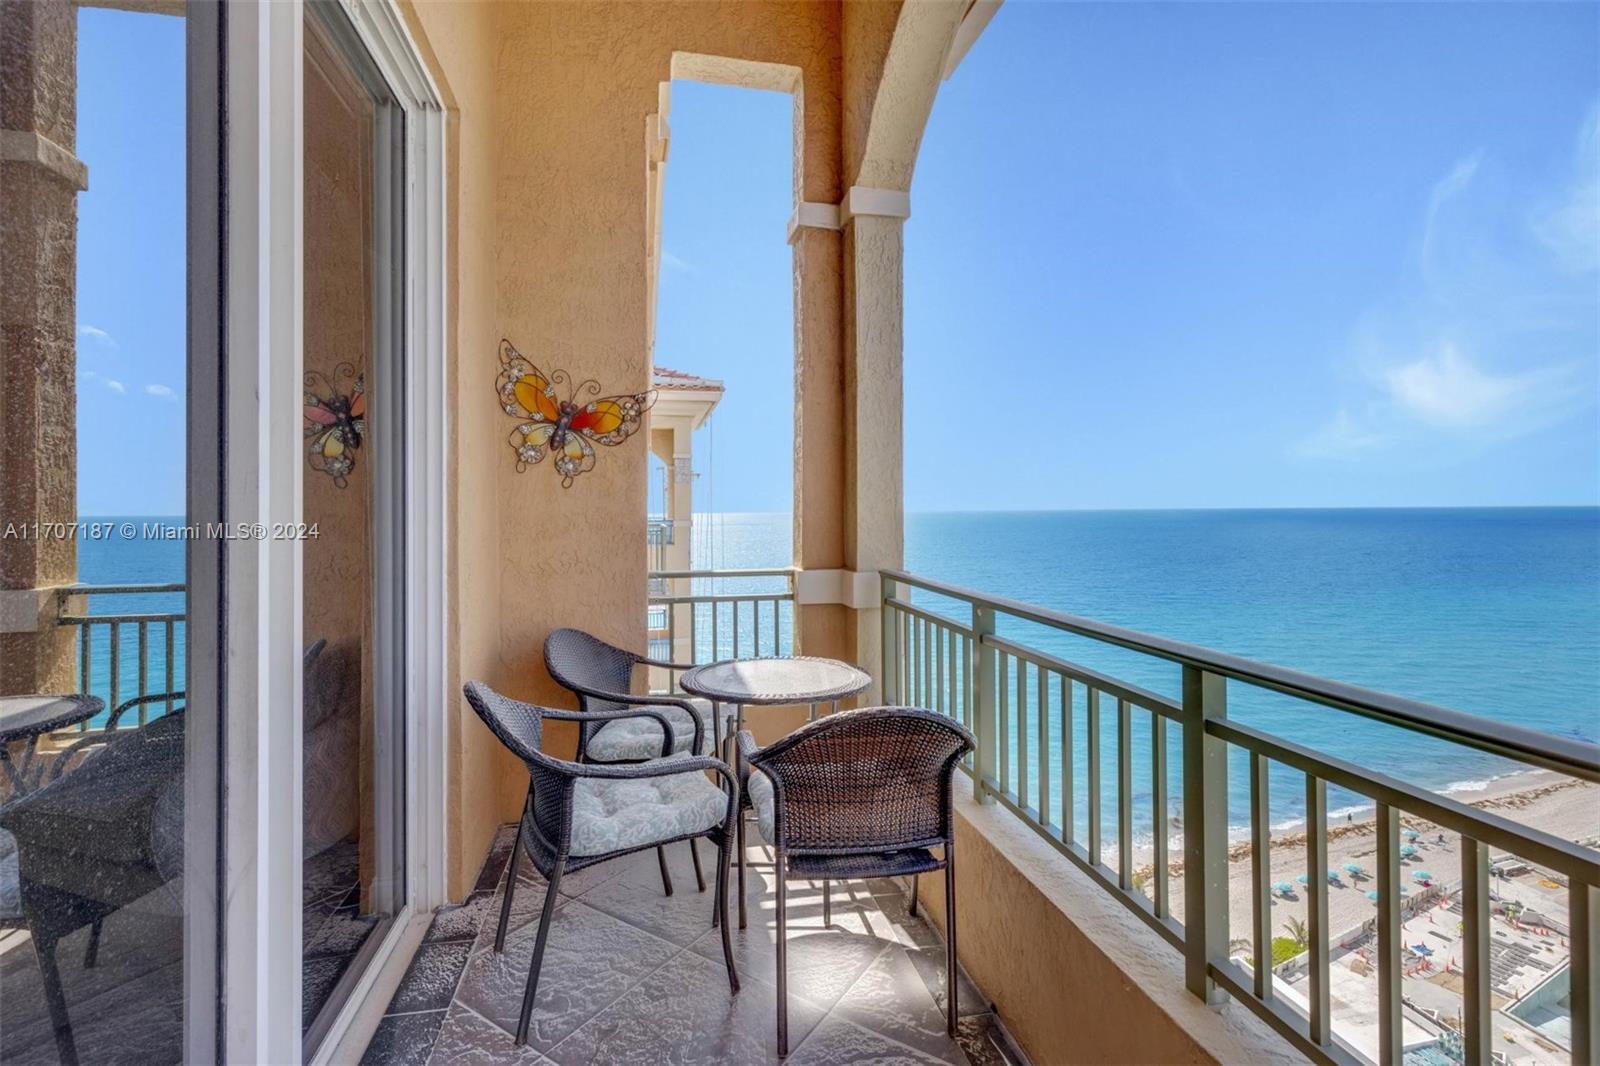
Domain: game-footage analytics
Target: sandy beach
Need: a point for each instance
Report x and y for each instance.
(1561, 806)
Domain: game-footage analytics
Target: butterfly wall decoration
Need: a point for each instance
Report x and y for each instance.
(566, 429)
(335, 416)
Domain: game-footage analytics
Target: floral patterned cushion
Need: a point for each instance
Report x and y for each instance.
(616, 814)
(638, 739)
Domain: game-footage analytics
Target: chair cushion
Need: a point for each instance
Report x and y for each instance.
(759, 789)
(617, 814)
(639, 739)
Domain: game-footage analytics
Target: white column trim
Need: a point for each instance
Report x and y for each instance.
(865, 200)
(850, 588)
(808, 215)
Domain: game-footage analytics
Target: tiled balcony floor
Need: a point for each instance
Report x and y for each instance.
(634, 976)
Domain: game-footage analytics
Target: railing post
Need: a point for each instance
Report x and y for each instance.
(984, 720)
(890, 660)
(1205, 831)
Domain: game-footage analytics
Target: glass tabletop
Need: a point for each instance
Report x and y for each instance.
(28, 716)
(793, 679)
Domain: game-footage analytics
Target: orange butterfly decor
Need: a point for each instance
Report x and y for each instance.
(566, 429)
(335, 421)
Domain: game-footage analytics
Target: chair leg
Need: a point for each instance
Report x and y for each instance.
(56, 1000)
(827, 905)
(511, 887)
(783, 957)
(538, 952)
(666, 877)
(721, 915)
(950, 983)
(694, 853)
(739, 832)
(913, 907)
(93, 951)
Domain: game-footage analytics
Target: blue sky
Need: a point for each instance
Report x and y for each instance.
(131, 276)
(1199, 255)
(1204, 255)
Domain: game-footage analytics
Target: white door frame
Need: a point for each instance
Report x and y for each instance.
(263, 363)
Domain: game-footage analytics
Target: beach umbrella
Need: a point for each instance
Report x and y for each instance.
(1282, 887)
(1421, 875)
(1352, 868)
(1410, 834)
(1372, 894)
(1407, 852)
(1333, 878)
(1303, 879)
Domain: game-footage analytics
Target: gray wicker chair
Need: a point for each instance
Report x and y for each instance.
(601, 676)
(580, 814)
(100, 829)
(862, 793)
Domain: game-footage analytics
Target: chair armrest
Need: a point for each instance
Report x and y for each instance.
(650, 701)
(611, 716)
(664, 665)
(747, 748)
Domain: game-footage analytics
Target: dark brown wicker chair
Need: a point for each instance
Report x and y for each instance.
(601, 676)
(862, 793)
(580, 814)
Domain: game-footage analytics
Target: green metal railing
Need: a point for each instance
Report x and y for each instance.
(118, 656)
(951, 659)
(726, 614)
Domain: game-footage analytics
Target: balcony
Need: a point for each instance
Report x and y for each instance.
(1060, 749)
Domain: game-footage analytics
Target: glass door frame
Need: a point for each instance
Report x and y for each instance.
(262, 471)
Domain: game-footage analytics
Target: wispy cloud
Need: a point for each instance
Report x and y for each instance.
(672, 262)
(1446, 189)
(1490, 333)
(1570, 225)
(1342, 436)
(97, 336)
(160, 390)
(1445, 390)
(110, 383)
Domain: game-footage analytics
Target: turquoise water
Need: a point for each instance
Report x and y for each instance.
(118, 560)
(1494, 612)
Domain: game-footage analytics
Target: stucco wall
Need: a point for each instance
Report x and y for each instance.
(1075, 977)
(548, 243)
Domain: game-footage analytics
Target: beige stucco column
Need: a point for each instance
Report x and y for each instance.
(40, 179)
(874, 524)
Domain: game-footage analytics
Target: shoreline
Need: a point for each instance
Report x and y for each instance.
(1536, 792)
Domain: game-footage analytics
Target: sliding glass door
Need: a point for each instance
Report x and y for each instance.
(109, 611)
(353, 507)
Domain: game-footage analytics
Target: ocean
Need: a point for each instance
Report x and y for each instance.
(1493, 611)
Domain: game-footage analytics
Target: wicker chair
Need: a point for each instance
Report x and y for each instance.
(102, 828)
(862, 793)
(601, 676)
(580, 814)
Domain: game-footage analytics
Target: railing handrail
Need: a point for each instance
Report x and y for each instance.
(95, 590)
(1562, 754)
(784, 571)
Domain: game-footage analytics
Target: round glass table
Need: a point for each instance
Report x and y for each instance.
(769, 682)
(773, 682)
(28, 718)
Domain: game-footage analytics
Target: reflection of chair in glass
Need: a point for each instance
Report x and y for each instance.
(104, 829)
(577, 815)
